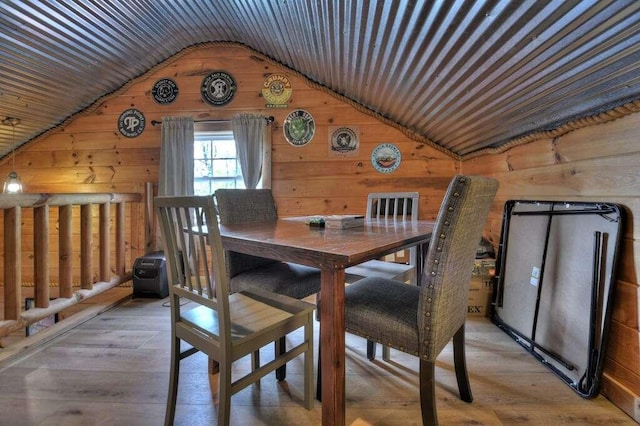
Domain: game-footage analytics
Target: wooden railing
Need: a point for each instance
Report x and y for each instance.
(92, 280)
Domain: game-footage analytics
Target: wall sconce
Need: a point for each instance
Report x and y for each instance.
(12, 183)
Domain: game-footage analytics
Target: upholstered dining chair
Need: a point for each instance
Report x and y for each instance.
(421, 320)
(246, 271)
(225, 326)
(257, 205)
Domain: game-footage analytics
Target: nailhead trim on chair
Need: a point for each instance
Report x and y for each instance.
(436, 261)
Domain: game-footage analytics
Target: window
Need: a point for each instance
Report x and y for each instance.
(216, 164)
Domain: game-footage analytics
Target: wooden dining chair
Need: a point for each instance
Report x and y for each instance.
(245, 271)
(388, 206)
(421, 320)
(225, 326)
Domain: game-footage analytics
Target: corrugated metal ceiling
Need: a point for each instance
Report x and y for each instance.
(466, 74)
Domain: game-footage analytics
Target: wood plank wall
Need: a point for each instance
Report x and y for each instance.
(88, 154)
(596, 163)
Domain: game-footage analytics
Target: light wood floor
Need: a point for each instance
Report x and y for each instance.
(113, 370)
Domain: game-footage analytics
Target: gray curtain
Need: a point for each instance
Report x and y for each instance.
(249, 132)
(175, 176)
(176, 156)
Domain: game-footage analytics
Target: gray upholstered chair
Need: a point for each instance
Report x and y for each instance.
(422, 320)
(225, 326)
(246, 271)
(257, 205)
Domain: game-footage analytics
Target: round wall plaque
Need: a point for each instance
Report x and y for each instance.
(276, 90)
(299, 127)
(131, 123)
(165, 91)
(344, 140)
(218, 88)
(386, 157)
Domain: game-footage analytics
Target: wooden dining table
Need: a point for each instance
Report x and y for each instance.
(330, 250)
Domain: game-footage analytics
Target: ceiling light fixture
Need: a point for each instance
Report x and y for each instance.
(12, 184)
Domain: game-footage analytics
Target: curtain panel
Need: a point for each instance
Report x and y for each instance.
(176, 156)
(251, 136)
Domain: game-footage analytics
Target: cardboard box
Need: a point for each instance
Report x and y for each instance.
(402, 256)
(481, 287)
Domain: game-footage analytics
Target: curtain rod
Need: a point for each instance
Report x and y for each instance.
(269, 119)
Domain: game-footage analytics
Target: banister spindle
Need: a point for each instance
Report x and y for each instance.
(41, 256)
(12, 263)
(65, 243)
(120, 238)
(86, 246)
(105, 243)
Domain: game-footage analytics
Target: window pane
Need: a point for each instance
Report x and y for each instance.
(201, 168)
(226, 168)
(215, 162)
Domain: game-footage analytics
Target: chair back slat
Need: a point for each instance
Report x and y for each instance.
(449, 260)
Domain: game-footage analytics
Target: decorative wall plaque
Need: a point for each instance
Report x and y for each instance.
(344, 141)
(299, 127)
(276, 91)
(131, 123)
(218, 88)
(386, 158)
(164, 91)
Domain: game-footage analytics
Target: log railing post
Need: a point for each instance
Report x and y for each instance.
(86, 246)
(105, 243)
(41, 256)
(65, 262)
(12, 263)
(120, 238)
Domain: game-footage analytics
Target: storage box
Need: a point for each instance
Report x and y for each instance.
(481, 287)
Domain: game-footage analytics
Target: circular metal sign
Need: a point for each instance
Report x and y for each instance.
(276, 90)
(344, 140)
(131, 123)
(299, 127)
(165, 91)
(218, 88)
(386, 157)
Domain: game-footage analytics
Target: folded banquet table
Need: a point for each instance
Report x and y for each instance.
(556, 275)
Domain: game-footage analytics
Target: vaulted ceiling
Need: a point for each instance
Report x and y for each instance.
(466, 74)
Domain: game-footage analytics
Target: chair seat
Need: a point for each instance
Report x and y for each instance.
(379, 268)
(290, 279)
(384, 311)
(253, 313)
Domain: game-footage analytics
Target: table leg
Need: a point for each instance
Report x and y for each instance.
(333, 349)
